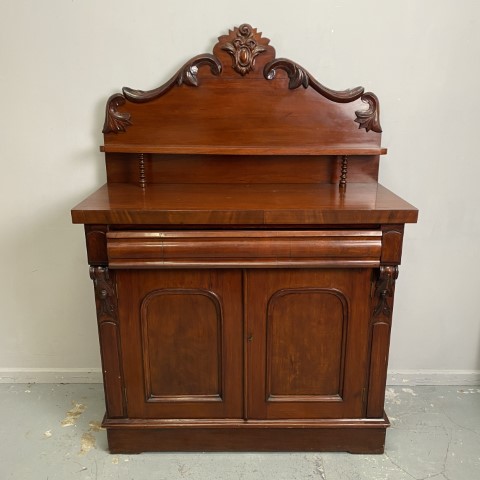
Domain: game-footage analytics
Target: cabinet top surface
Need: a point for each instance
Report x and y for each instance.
(243, 204)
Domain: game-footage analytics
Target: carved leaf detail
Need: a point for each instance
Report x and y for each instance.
(244, 47)
(298, 76)
(116, 121)
(186, 75)
(369, 119)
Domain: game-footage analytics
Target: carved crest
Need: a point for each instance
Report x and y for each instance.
(244, 46)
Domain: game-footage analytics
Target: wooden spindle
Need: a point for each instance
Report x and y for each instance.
(344, 171)
(141, 166)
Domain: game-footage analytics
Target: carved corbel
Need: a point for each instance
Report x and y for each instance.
(105, 294)
(384, 290)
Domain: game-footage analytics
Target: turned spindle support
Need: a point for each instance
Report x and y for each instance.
(343, 172)
(141, 170)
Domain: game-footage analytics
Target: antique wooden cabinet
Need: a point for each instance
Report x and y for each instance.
(244, 259)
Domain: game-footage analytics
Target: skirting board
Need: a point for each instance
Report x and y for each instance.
(50, 375)
(94, 375)
(433, 377)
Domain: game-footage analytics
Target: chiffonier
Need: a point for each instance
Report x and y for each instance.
(244, 259)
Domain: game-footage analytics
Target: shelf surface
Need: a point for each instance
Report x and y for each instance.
(243, 150)
(243, 204)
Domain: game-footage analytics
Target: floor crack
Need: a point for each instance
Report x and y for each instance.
(400, 467)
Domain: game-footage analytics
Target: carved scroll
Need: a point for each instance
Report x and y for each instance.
(298, 76)
(244, 44)
(116, 121)
(369, 119)
(186, 75)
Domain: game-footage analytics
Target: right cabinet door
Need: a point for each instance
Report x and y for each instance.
(307, 342)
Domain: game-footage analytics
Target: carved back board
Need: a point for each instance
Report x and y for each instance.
(242, 100)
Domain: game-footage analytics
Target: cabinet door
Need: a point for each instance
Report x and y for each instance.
(181, 336)
(307, 334)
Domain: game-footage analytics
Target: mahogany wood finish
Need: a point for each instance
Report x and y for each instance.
(147, 249)
(187, 169)
(244, 204)
(244, 259)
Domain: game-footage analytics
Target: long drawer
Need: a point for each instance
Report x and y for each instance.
(170, 249)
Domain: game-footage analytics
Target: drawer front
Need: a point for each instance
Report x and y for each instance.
(168, 249)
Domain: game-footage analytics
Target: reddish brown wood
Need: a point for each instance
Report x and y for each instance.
(231, 204)
(263, 150)
(320, 379)
(281, 118)
(187, 75)
(141, 170)
(96, 241)
(392, 244)
(344, 172)
(244, 44)
(369, 119)
(182, 343)
(187, 169)
(351, 436)
(378, 368)
(380, 338)
(244, 300)
(108, 330)
(115, 120)
(147, 249)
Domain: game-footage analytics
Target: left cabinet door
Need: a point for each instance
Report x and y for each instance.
(181, 339)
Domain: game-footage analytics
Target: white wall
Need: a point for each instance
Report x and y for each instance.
(60, 60)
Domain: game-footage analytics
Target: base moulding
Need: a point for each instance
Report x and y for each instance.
(351, 435)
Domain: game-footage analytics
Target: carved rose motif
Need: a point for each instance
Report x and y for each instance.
(244, 48)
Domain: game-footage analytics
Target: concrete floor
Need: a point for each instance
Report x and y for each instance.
(50, 432)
